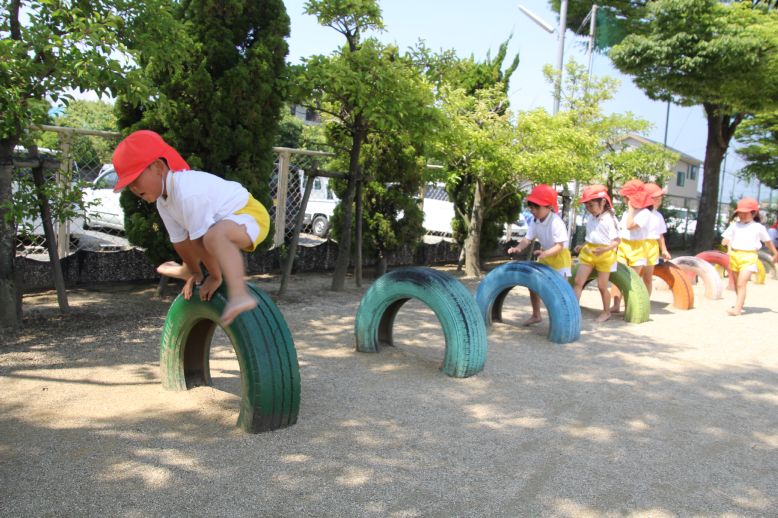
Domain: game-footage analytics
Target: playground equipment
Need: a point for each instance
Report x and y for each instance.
(449, 299)
(697, 267)
(767, 261)
(636, 302)
(681, 287)
(558, 296)
(719, 259)
(269, 373)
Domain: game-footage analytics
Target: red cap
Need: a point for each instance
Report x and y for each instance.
(545, 196)
(631, 187)
(641, 199)
(593, 192)
(134, 154)
(747, 205)
(655, 190)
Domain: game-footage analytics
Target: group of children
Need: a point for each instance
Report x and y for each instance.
(637, 240)
(210, 220)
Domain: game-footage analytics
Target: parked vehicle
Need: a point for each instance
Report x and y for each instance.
(104, 209)
(321, 205)
(517, 230)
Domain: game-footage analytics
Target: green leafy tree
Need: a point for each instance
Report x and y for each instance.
(759, 136)
(719, 55)
(218, 73)
(47, 48)
(362, 89)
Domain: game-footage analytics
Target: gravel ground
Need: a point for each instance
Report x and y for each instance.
(673, 417)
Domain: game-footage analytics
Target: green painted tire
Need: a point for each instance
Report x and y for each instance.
(637, 304)
(269, 373)
(449, 299)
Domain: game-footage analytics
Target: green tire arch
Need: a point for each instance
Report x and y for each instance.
(269, 372)
(637, 304)
(456, 309)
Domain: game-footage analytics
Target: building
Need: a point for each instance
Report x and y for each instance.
(682, 190)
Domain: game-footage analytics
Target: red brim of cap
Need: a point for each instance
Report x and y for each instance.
(124, 181)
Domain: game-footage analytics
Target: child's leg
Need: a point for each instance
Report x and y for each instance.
(580, 278)
(602, 284)
(647, 273)
(174, 270)
(224, 240)
(741, 279)
(616, 295)
(535, 301)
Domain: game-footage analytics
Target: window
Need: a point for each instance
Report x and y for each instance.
(317, 184)
(692, 174)
(680, 180)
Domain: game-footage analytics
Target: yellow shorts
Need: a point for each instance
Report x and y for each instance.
(605, 262)
(560, 261)
(258, 212)
(652, 251)
(743, 260)
(632, 253)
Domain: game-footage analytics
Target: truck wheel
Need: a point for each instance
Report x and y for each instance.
(320, 226)
(683, 294)
(449, 299)
(704, 270)
(564, 313)
(269, 373)
(637, 305)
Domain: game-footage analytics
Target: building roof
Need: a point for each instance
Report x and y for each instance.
(643, 140)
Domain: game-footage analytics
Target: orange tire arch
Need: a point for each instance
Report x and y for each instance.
(683, 294)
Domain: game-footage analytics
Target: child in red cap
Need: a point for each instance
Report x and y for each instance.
(549, 229)
(599, 252)
(743, 238)
(209, 219)
(634, 227)
(655, 235)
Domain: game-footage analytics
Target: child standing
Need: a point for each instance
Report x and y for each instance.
(209, 219)
(655, 236)
(550, 231)
(743, 239)
(633, 231)
(602, 239)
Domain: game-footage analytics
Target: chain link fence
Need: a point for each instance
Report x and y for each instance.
(80, 159)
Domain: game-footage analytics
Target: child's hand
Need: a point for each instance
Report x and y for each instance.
(209, 287)
(775, 258)
(666, 255)
(599, 250)
(577, 248)
(513, 250)
(189, 285)
(539, 254)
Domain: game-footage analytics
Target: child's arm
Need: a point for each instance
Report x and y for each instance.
(524, 243)
(631, 225)
(663, 248)
(558, 247)
(772, 248)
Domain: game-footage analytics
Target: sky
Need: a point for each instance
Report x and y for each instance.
(478, 28)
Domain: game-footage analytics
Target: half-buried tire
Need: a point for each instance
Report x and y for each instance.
(564, 313)
(449, 299)
(719, 259)
(269, 373)
(705, 271)
(683, 294)
(637, 305)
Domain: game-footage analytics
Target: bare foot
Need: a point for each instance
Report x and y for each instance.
(532, 320)
(237, 306)
(605, 315)
(734, 312)
(174, 270)
(616, 309)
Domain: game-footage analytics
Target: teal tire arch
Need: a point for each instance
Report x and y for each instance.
(449, 299)
(269, 372)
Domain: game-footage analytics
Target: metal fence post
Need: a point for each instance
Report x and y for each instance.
(63, 227)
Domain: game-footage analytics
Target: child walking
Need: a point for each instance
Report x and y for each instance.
(633, 231)
(743, 238)
(550, 231)
(209, 219)
(655, 236)
(602, 239)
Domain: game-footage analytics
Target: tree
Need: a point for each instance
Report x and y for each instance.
(722, 56)
(759, 136)
(47, 48)
(218, 76)
(364, 88)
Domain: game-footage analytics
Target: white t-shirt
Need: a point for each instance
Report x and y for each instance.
(195, 201)
(746, 236)
(642, 219)
(602, 229)
(657, 225)
(548, 232)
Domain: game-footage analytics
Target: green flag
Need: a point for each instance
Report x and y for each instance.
(609, 30)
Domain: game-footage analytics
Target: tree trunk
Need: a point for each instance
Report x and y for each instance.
(473, 240)
(721, 127)
(381, 267)
(358, 234)
(10, 306)
(344, 246)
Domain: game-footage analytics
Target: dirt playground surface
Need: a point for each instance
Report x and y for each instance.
(674, 417)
